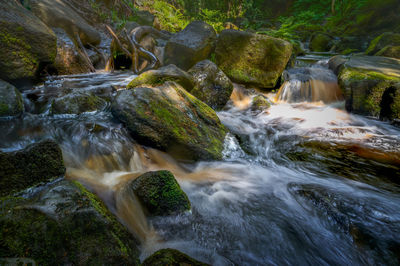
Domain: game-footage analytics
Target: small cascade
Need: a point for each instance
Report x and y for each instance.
(309, 84)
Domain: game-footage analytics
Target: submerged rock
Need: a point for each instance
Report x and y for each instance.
(171, 119)
(365, 81)
(191, 45)
(26, 43)
(65, 224)
(159, 193)
(260, 103)
(252, 58)
(212, 86)
(36, 163)
(382, 41)
(171, 257)
(57, 14)
(11, 103)
(77, 103)
(158, 77)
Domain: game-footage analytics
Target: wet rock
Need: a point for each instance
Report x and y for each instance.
(77, 103)
(260, 103)
(170, 119)
(64, 224)
(26, 43)
(212, 86)
(364, 81)
(383, 40)
(68, 61)
(390, 51)
(171, 257)
(160, 194)
(11, 103)
(57, 14)
(36, 163)
(158, 77)
(191, 45)
(321, 43)
(252, 58)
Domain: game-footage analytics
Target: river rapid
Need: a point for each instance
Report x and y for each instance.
(301, 183)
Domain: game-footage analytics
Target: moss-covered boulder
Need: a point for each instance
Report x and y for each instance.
(212, 86)
(191, 45)
(383, 40)
(252, 58)
(390, 51)
(58, 14)
(144, 17)
(171, 257)
(11, 103)
(64, 224)
(154, 78)
(160, 194)
(171, 119)
(321, 42)
(77, 103)
(364, 81)
(36, 163)
(260, 103)
(26, 43)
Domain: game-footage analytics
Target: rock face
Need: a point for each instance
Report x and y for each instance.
(367, 83)
(252, 58)
(68, 61)
(158, 77)
(321, 43)
(26, 43)
(171, 257)
(11, 103)
(193, 44)
(65, 224)
(37, 163)
(382, 41)
(57, 14)
(77, 103)
(160, 194)
(212, 86)
(170, 119)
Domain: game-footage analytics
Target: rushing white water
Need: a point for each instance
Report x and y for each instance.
(300, 183)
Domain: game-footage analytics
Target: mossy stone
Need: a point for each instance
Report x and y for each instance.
(171, 119)
(212, 86)
(11, 103)
(321, 43)
(252, 58)
(160, 194)
(77, 103)
(390, 51)
(158, 77)
(64, 224)
(36, 163)
(260, 103)
(171, 257)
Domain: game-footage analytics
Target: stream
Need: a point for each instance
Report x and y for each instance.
(301, 183)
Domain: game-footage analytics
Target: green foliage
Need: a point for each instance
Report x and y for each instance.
(170, 17)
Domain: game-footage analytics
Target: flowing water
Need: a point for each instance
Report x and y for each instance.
(302, 183)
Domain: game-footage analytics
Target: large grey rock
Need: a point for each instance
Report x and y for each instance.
(77, 103)
(57, 14)
(169, 118)
(11, 103)
(26, 43)
(64, 224)
(191, 45)
(212, 86)
(366, 81)
(252, 58)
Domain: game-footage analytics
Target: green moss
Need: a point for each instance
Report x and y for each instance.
(4, 109)
(160, 194)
